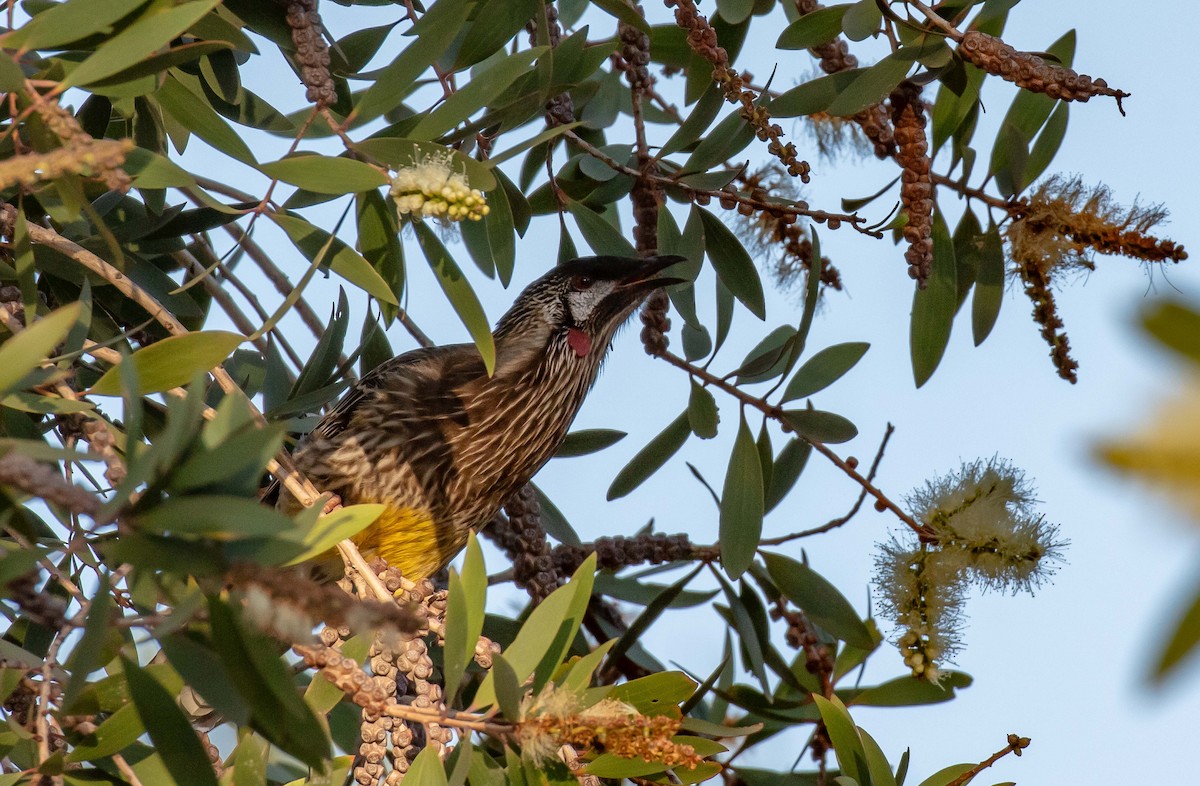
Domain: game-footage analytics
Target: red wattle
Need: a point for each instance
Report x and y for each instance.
(579, 341)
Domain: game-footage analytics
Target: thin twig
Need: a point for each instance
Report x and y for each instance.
(777, 413)
(840, 520)
(1016, 744)
(820, 216)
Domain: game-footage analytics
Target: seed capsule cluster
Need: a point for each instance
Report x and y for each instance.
(1031, 72)
(834, 56)
(619, 552)
(312, 53)
(916, 187)
(703, 40)
(533, 569)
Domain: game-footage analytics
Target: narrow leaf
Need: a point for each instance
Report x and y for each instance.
(651, 458)
(824, 368)
(934, 306)
(325, 174)
(172, 362)
(819, 599)
(741, 504)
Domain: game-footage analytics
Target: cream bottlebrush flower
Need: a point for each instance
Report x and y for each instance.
(922, 592)
(1165, 453)
(984, 530)
(985, 512)
(431, 188)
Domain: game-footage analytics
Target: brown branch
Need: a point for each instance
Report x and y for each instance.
(883, 502)
(1015, 745)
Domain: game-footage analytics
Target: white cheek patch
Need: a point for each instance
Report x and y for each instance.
(582, 304)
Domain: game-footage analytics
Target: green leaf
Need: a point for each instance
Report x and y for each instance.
(341, 258)
(726, 140)
(820, 426)
(989, 285)
(702, 412)
(733, 264)
(1046, 146)
(325, 174)
(908, 692)
(172, 735)
(579, 677)
(651, 458)
(547, 633)
(824, 368)
(934, 306)
(789, 464)
(171, 362)
(610, 765)
(332, 528)
(150, 170)
(586, 441)
(495, 23)
(819, 599)
(221, 517)
(68, 22)
(277, 711)
(624, 12)
(427, 769)
(741, 504)
(250, 760)
(948, 774)
(85, 658)
(862, 20)
(432, 36)
(194, 659)
(813, 29)
(655, 694)
(852, 758)
(138, 41)
(195, 114)
(25, 351)
(1181, 642)
(877, 763)
(459, 292)
(487, 85)
(117, 732)
(872, 85)
(602, 236)
(464, 616)
(813, 96)
(1174, 324)
(507, 687)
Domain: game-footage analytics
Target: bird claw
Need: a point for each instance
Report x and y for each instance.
(333, 503)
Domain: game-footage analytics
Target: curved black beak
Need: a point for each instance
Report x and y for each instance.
(646, 276)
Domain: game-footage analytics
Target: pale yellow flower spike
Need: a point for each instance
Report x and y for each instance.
(431, 188)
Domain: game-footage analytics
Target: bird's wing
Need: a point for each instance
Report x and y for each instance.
(430, 376)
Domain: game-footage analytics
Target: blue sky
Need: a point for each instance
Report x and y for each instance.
(1065, 667)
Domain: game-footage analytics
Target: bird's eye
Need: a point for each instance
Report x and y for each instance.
(581, 282)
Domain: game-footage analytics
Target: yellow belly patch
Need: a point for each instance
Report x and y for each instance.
(410, 540)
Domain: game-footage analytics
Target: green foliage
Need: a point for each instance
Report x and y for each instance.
(161, 315)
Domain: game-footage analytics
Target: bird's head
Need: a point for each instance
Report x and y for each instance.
(583, 302)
